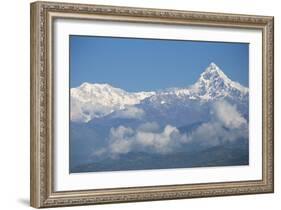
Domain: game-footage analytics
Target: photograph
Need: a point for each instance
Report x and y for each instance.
(150, 104)
(132, 104)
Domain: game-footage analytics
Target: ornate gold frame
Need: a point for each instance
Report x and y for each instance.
(42, 17)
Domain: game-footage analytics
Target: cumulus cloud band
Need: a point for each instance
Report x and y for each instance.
(226, 125)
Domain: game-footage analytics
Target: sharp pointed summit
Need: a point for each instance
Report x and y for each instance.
(213, 71)
(213, 83)
(212, 67)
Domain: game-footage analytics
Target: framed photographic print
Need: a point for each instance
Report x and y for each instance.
(135, 104)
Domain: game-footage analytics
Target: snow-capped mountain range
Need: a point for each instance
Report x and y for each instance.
(90, 101)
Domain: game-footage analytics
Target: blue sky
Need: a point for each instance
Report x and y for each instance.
(152, 64)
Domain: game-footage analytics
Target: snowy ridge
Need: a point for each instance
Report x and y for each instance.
(89, 101)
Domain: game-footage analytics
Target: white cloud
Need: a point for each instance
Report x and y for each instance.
(226, 125)
(120, 142)
(162, 142)
(147, 137)
(130, 113)
(228, 115)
